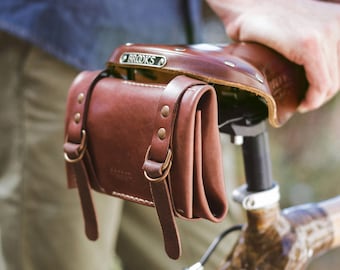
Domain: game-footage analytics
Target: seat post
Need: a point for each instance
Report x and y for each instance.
(257, 163)
(244, 118)
(253, 138)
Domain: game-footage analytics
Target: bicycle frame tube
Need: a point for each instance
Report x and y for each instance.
(332, 208)
(274, 239)
(286, 240)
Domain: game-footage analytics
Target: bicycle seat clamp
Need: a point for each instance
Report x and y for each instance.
(256, 200)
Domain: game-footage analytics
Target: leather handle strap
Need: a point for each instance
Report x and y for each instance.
(158, 160)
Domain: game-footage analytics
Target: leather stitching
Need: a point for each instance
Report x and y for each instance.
(144, 85)
(132, 198)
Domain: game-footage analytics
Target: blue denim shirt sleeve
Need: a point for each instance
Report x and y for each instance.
(83, 33)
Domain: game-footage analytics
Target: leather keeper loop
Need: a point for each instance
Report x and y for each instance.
(171, 97)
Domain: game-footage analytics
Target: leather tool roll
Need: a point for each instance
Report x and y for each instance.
(146, 128)
(153, 144)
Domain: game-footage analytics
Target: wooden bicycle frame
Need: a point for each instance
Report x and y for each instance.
(288, 239)
(274, 239)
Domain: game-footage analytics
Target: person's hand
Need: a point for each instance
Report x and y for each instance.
(306, 32)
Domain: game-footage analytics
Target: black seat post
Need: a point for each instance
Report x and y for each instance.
(244, 119)
(257, 162)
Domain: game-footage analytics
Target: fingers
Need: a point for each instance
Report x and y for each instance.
(233, 30)
(314, 44)
(314, 99)
(322, 66)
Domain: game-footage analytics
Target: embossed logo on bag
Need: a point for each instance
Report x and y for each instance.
(142, 59)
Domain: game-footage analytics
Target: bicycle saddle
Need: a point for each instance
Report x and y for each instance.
(238, 70)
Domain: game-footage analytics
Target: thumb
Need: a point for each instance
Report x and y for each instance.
(233, 30)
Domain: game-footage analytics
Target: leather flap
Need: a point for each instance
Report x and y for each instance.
(246, 66)
(197, 138)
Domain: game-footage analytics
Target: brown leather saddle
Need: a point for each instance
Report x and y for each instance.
(244, 72)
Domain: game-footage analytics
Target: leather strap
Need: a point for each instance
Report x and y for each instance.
(84, 191)
(77, 157)
(158, 160)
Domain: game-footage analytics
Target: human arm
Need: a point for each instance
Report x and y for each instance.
(306, 32)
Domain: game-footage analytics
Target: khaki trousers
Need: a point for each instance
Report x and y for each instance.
(41, 224)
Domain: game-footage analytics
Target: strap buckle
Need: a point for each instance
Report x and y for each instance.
(81, 150)
(166, 166)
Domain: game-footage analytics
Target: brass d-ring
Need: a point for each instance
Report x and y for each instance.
(81, 149)
(166, 166)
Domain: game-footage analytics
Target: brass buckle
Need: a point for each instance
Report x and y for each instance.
(165, 167)
(82, 149)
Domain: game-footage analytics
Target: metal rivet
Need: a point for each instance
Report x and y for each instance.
(77, 118)
(249, 202)
(123, 58)
(229, 63)
(259, 78)
(165, 111)
(161, 133)
(80, 98)
(180, 49)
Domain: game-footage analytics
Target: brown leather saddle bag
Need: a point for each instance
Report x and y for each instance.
(146, 128)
